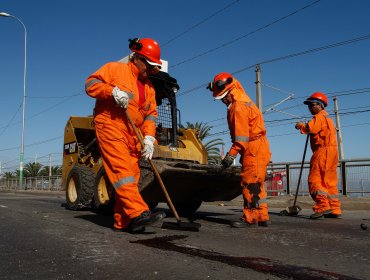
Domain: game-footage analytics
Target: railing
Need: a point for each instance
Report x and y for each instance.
(353, 175)
(44, 183)
(282, 179)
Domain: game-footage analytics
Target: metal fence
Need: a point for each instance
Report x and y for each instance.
(353, 175)
(282, 179)
(42, 183)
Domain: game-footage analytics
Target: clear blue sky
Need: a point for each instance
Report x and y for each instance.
(68, 40)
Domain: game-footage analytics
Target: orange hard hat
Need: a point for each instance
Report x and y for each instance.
(148, 48)
(317, 97)
(220, 85)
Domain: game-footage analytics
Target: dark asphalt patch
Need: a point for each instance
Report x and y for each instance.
(263, 265)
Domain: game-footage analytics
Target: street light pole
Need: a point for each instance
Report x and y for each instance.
(21, 157)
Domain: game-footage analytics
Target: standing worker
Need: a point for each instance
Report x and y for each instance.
(117, 87)
(248, 135)
(323, 178)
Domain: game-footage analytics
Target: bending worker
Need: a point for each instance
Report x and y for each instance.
(117, 87)
(323, 178)
(248, 135)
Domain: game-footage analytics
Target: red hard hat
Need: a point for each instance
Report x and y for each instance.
(148, 48)
(221, 84)
(317, 97)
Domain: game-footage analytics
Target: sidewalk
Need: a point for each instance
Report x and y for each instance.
(306, 202)
(282, 201)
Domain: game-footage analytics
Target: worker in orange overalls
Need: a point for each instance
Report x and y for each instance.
(248, 135)
(323, 178)
(118, 86)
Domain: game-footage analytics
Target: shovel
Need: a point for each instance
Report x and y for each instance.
(295, 209)
(179, 225)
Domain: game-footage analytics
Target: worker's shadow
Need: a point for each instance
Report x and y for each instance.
(105, 221)
(201, 215)
(100, 220)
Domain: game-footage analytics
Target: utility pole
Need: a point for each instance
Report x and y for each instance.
(21, 155)
(339, 131)
(49, 165)
(258, 87)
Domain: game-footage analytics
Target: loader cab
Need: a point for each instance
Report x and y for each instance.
(167, 123)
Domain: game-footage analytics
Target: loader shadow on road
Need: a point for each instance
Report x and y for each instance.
(291, 216)
(201, 215)
(213, 217)
(107, 222)
(100, 220)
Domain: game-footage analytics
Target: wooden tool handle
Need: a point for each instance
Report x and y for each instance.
(138, 135)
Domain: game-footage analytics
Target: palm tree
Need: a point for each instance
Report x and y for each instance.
(32, 169)
(214, 154)
(9, 175)
(202, 131)
(55, 170)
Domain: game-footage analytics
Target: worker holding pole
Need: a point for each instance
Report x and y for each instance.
(117, 87)
(323, 178)
(248, 135)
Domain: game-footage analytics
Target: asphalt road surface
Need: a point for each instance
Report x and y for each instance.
(40, 239)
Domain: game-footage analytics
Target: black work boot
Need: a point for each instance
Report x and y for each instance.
(242, 224)
(263, 223)
(145, 218)
(318, 215)
(333, 216)
(129, 230)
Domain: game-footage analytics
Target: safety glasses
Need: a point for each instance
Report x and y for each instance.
(221, 85)
(312, 104)
(135, 44)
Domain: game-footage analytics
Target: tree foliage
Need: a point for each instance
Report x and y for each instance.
(55, 170)
(202, 131)
(9, 175)
(34, 169)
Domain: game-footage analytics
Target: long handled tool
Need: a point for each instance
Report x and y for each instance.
(179, 225)
(295, 209)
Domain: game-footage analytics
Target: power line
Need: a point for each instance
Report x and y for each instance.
(10, 121)
(331, 94)
(245, 35)
(199, 23)
(337, 44)
(56, 97)
(344, 92)
(277, 89)
(49, 108)
(291, 119)
(349, 92)
(333, 45)
(34, 144)
(46, 110)
(357, 124)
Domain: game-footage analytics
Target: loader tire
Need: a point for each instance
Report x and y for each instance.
(104, 193)
(187, 208)
(80, 187)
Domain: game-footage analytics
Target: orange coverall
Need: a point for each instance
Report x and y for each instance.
(119, 146)
(323, 178)
(248, 135)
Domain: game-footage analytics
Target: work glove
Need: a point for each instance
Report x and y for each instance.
(228, 160)
(147, 151)
(300, 125)
(121, 97)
